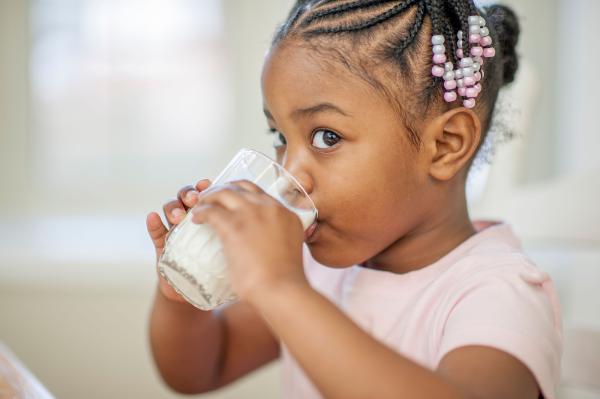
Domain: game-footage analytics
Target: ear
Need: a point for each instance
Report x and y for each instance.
(451, 141)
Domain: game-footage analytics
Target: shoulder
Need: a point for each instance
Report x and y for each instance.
(497, 297)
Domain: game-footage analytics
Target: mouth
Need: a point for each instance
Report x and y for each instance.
(309, 235)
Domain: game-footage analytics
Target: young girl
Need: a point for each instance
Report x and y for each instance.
(378, 108)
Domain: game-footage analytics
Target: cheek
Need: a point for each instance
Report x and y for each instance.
(367, 210)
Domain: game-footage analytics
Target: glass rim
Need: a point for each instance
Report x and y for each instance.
(285, 172)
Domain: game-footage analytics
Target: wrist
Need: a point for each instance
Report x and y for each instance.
(267, 294)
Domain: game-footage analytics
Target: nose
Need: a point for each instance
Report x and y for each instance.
(298, 168)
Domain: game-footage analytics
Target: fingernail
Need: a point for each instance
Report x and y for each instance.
(177, 212)
(190, 195)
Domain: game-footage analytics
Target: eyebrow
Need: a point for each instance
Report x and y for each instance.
(310, 111)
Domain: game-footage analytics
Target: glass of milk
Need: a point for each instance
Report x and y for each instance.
(193, 262)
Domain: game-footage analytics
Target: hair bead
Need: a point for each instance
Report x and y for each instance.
(437, 40)
(476, 51)
(469, 81)
(469, 103)
(450, 96)
(450, 85)
(437, 71)
(489, 52)
(439, 49)
(486, 41)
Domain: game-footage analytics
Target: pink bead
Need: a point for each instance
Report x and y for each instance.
(450, 96)
(489, 52)
(486, 41)
(472, 92)
(450, 84)
(469, 81)
(437, 71)
(462, 91)
(477, 51)
(474, 38)
(469, 103)
(439, 58)
(460, 53)
(478, 87)
(477, 76)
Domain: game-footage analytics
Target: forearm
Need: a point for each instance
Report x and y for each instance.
(342, 360)
(186, 345)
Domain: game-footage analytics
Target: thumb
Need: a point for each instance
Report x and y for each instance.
(157, 231)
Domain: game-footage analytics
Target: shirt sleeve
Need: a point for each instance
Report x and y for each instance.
(515, 311)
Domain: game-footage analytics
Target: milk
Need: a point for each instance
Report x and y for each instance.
(194, 264)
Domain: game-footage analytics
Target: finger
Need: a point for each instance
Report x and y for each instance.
(188, 196)
(247, 185)
(230, 197)
(215, 216)
(156, 230)
(203, 184)
(174, 212)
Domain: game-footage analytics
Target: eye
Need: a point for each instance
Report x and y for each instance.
(278, 139)
(325, 139)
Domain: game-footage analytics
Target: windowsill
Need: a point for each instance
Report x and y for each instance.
(76, 253)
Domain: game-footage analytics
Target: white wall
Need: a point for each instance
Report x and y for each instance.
(14, 101)
(75, 290)
(577, 77)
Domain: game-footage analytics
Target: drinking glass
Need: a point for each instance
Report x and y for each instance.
(193, 262)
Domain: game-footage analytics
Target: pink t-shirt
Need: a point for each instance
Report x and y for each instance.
(484, 292)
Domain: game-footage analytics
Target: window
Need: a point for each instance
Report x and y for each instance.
(126, 93)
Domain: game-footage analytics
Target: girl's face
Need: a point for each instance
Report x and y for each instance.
(348, 148)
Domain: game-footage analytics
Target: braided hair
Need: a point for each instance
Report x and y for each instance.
(388, 43)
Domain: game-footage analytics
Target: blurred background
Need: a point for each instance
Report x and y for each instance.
(107, 107)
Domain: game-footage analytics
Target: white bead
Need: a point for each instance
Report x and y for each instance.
(468, 71)
(484, 32)
(437, 39)
(476, 66)
(466, 62)
(474, 29)
(448, 66)
(439, 49)
(459, 35)
(460, 83)
(481, 21)
(474, 20)
(459, 44)
(449, 75)
(458, 73)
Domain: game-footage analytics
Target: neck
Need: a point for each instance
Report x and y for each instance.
(428, 242)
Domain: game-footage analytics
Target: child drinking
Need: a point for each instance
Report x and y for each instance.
(378, 108)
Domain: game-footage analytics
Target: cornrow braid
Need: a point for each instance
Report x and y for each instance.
(343, 9)
(436, 11)
(436, 14)
(462, 15)
(449, 30)
(412, 33)
(392, 12)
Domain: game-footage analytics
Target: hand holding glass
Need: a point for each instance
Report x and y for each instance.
(193, 261)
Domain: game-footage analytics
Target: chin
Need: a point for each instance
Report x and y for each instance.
(332, 257)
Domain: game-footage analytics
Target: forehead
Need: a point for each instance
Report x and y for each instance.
(297, 76)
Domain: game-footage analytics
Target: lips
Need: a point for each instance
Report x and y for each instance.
(310, 232)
